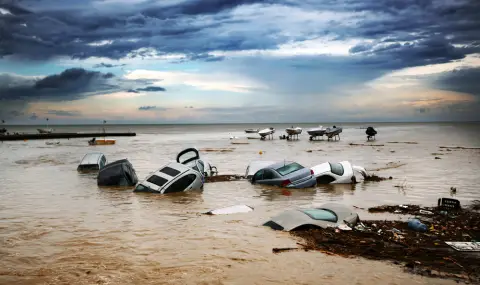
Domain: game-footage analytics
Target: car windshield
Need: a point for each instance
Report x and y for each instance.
(321, 214)
(337, 168)
(289, 168)
(157, 180)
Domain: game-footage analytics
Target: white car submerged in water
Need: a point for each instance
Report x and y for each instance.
(341, 172)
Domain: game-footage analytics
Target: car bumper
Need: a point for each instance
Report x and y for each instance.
(310, 182)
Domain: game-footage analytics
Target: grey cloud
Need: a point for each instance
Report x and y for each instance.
(198, 27)
(149, 108)
(464, 80)
(151, 89)
(107, 65)
(63, 113)
(71, 84)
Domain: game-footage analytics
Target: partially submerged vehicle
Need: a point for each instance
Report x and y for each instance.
(327, 215)
(341, 172)
(255, 166)
(173, 177)
(191, 157)
(287, 174)
(92, 162)
(117, 173)
(371, 132)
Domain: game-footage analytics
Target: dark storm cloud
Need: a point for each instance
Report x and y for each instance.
(71, 84)
(464, 80)
(197, 27)
(63, 113)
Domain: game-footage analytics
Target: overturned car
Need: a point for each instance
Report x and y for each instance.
(187, 173)
(341, 172)
(117, 173)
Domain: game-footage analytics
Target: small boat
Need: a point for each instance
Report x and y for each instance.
(251, 131)
(45, 131)
(266, 132)
(293, 131)
(318, 131)
(94, 141)
(333, 132)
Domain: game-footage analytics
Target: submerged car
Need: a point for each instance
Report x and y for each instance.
(191, 157)
(92, 162)
(327, 215)
(173, 177)
(287, 174)
(341, 172)
(117, 173)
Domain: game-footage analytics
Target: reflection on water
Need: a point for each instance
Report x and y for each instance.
(58, 227)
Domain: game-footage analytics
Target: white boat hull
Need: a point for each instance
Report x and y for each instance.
(293, 131)
(45, 131)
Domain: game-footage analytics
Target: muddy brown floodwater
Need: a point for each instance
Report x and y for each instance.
(58, 227)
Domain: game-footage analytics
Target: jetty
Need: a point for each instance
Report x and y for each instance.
(22, 137)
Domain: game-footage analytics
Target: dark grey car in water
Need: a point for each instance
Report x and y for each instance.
(117, 173)
(285, 174)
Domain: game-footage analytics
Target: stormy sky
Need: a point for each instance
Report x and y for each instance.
(208, 61)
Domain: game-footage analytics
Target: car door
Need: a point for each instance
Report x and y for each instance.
(270, 178)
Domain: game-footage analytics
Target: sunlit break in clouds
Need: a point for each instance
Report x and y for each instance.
(200, 61)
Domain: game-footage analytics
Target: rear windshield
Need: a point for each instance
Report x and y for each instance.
(170, 171)
(112, 170)
(289, 168)
(321, 214)
(157, 180)
(337, 168)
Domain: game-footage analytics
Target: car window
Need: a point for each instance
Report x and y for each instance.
(258, 175)
(268, 174)
(181, 184)
(321, 214)
(337, 168)
(140, 187)
(289, 168)
(170, 171)
(201, 166)
(157, 180)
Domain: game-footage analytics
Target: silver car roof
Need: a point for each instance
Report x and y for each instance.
(91, 158)
(295, 218)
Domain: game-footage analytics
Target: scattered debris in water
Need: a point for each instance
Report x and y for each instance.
(405, 142)
(223, 178)
(376, 178)
(230, 210)
(436, 153)
(390, 165)
(436, 157)
(362, 144)
(449, 148)
(312, 150)
(217, 149)
(424, 253)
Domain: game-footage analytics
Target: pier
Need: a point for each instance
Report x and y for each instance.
(21, 137)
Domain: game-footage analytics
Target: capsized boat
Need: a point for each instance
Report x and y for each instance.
(293, 131)
(266, 132)
(318, 131)
(94, 141)
(251, 131)
(45, 131)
